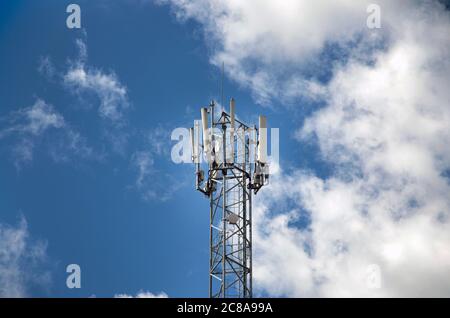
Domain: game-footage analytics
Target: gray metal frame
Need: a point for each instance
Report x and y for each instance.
(230, 224)
(229, 186)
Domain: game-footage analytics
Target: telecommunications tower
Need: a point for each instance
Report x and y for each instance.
(231, 165)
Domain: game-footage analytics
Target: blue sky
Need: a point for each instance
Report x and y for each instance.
(86, 116)
(89, 210)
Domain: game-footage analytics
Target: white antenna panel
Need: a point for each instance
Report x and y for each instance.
(262, 139)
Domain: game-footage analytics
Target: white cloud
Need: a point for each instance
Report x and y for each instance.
(23, 152)
(275, 48)
(87, 81)
(106, 86)
(20, 259)
(42, 117)
(346, 227)
(72, 144)
(158, 140)
(28, 124)
(143, 161)
(46, 67)
(265, 44)
(33, 120)
(152, 181)
(143, 294)
(384, 127)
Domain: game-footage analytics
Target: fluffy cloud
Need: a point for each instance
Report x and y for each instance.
(143, 161)
(383, 127)
(267, 44)
(72, 144)
(151, 180)
(283, 50)
(33, 120)
(156, 145)
(142, 294)
(28, 125)
(345, 228)
(20, 260)
(106, 86)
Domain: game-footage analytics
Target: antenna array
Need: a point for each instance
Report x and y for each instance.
(234, 156)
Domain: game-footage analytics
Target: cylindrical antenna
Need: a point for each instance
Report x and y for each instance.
(262, 139)
(191, 135)
(232, 126)
(223, 69)
(204, 113)
(206, 140)
(253, 143)
(232, 112)
(197, 140)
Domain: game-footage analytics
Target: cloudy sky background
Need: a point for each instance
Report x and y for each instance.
(85, 124)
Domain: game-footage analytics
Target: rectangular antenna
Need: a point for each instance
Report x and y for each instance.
(197, 140)
(191, 135)
(232, 126)
(262, 139)
(206, 139)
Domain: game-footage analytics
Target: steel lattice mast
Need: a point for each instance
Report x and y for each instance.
(235, 172)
